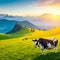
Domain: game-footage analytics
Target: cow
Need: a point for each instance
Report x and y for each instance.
(44, 44)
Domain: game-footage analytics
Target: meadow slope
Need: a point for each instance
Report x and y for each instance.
(17, 34)
(19, 49)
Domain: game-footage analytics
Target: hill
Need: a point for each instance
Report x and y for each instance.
(6, 25)
(43, 22)
(10, 26)
(16, 34)
(16, 28)
(17, 49)
(11, 29)
(54, 31)
(4, 36)
(28, 24)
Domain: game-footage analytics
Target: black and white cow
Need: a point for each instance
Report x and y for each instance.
(46, 44)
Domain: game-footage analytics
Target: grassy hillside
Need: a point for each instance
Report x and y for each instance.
(4, 36)
(19, 49)
(20, 33)
(17, 34)
(54, 31)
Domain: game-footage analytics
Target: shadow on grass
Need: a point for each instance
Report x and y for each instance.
(49, 56)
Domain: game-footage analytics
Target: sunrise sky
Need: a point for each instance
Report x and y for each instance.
(29, 7)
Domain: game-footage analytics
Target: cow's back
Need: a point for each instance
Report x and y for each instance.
(44, 42)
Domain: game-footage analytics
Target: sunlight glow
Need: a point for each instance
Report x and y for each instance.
(55, 12)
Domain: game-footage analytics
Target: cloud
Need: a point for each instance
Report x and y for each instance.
(55, 3)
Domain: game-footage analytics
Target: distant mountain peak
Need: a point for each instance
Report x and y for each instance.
(7, 26)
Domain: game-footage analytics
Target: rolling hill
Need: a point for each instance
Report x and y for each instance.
(11, 29)
(13, 47)
(54, 31)
(17, 49)
(16, 34)
(16, 28)
(4, 36)
(28, 24)
(11, 26)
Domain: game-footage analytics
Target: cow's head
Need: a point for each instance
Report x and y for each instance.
(55, 41)
(35, 42)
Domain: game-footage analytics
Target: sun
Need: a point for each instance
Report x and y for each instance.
(54, 12)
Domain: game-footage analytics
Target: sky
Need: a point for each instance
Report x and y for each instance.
(29, 7)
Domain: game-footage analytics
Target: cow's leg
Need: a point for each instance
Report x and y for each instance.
(55, 50)
(44, 51)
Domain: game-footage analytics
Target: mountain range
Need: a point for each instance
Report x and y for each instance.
(9, 26)
(43, 22)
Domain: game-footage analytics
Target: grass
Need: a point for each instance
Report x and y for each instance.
(4, 36)
(20, 33)
(19, 49)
